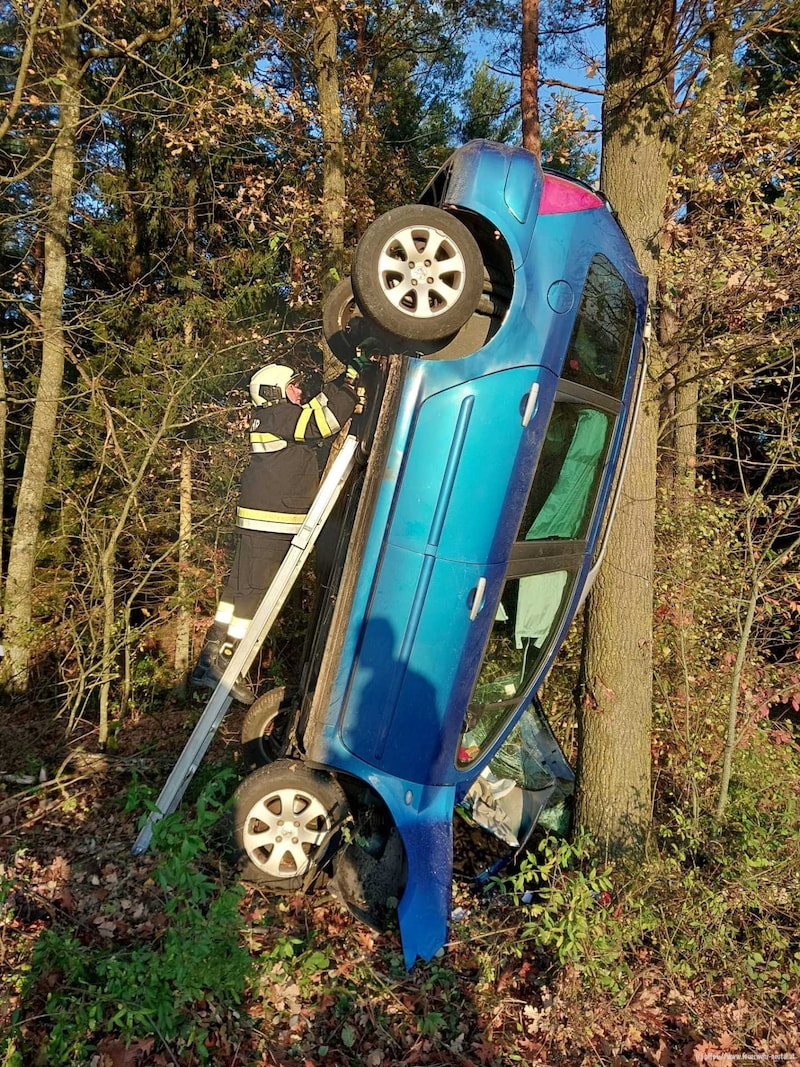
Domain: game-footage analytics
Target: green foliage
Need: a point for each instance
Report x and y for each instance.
(138, 990)
(490, 108)
(723, 898)
(712, 906)
(563, 893)
(712, 561)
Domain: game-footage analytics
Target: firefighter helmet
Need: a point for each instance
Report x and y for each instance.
(269, 384)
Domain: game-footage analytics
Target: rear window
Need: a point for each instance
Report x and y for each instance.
(600, 345)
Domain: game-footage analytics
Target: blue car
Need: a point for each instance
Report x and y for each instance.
(506, 314)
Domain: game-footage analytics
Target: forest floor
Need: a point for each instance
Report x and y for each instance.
(322, 989)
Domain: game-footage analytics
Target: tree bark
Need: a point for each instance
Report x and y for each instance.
(687, 398)
(183, 625)
(529, 78)
(3, 433)
(19, 584)
(183, 631)
(109, 673)
(365, 77)
(614, 713)
(325, 60)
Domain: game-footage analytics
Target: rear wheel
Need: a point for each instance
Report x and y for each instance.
(266, 728)
(342, 321)
(418, 272)
(287, 823)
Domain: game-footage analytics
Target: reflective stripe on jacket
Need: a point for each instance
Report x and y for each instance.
(268, 521)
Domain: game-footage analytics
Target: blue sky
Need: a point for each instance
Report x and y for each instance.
(573, 71)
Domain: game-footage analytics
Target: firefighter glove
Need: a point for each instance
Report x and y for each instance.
(364, 354)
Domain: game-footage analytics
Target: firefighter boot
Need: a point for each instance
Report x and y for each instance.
(212, 661)
(240, 690)
(215, 635)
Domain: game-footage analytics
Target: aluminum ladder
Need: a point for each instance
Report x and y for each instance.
(220, 700)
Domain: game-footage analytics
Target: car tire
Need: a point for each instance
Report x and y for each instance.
(418, 272)
(287, 823)
(342, 321)
(266, 726)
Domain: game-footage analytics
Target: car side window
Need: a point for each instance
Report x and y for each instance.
(563, 491)
(549, 552)
(551, 544)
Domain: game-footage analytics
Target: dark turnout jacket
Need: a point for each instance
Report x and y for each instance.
(281, 479)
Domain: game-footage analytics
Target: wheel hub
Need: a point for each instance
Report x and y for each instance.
(280, 849)
(419, 273)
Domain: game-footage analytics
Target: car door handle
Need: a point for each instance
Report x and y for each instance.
(530, 406)
(476, 597)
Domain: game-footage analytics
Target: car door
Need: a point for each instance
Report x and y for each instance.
(446, 548)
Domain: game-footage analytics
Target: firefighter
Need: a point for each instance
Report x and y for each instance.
(293, 418)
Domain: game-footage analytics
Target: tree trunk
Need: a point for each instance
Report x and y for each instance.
(687, 364)
(365, 78)
(108, 672)
(680, 463)
(330, 118)
(529, 78)
(3, 432)
(733, 698)
(183, 631)
(183, 625)
(687, 397)
(19, 583)
(614, 713)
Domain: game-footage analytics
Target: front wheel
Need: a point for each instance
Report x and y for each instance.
(286, 824)
(418, 272)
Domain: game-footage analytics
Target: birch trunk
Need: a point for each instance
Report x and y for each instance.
(3, 432)
(18, 613)
(183, 633)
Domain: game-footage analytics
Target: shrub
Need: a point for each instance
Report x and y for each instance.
(135, 991)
